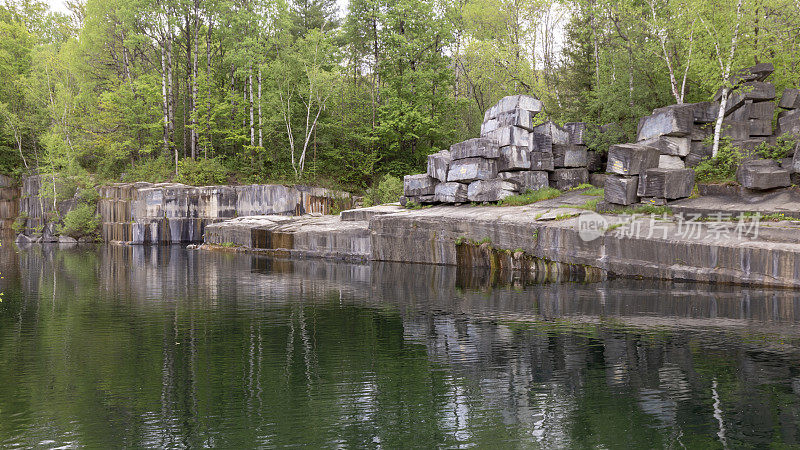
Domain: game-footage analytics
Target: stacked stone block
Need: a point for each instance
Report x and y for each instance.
(512, 155)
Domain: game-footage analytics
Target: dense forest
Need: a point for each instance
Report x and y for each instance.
(341, 94)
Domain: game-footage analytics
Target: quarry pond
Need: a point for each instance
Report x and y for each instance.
(107, 346)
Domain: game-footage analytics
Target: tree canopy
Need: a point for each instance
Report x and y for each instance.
(288, 90)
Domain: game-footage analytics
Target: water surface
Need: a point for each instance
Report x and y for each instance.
(115, 346)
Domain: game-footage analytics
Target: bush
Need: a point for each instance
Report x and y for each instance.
(81, 221)
(152, 170)
(201, 172)
(784, 148)
(388, 190)
(722, 167)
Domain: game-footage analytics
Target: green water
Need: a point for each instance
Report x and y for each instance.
(144, 347)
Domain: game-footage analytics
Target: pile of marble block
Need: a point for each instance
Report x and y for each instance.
(511, 156)
(635, 175)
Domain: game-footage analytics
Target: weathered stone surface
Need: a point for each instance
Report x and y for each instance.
(789, 123)
(762, 110)
(541, 161)
(527, 180)
(471, 169)
(542, 143)
(757, 90)
(631, 159)
(490, 190)
(451, 192)
(521, 118)
(511, 103)
(557, 134)
(482, 147)
(513, 157)
(510, 135)
(737, 131)
(67, 240)
(598, 179)
(796, 160)
(701, 132)
(670, 162)
(565, 179)
(748, 145)
(364, 214)
(669, 145)
(666, 183)
(758, 72)
(762, 174)
(621, 190)
(569, 155)
(692, 160)
(760, 127)
(595, 161)
(577, 132)
(438, 164)
(423, 199)
(666, 122)
(704, 112)
(790, 99)
(416, 185)
(654, 201)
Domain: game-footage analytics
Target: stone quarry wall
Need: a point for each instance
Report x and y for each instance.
(144, 213)
(165, 213)
(9, 203)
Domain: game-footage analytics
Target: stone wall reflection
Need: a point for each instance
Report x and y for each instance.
(550, 358)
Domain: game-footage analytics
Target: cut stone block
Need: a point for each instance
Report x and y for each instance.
(513, 157)
(790, 99)
(795, 168)
(542, 161)
(704, 112)
(598, 179)
(621, 190)
(510, 135)
(527, 180)
(577, 132)
(490, 190)
(670, 162)
(789, 123)
(654, 201)
(700, 149)
(542, 143)
(692, 160)
(666, 122)
(762, 110)
(518, 118)
(666, 183)
(748, 145)
(742, 113)
(699, 133)
(482, 147)
(760, 127)
(565, 179)
(758, 72)
(451, 192)
(569, 155)
(737, 131)
(762, 174)
(438, 164)
(512, 103)
(669, 145)
(557, 134)
(595, 161)
(631, 159)
(471, 169)
(416, 185)
(757, 90)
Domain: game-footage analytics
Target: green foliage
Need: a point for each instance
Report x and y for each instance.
(721, 168)
(594, 191)
(19, 223)
(156, 170)
(531, 197)
(388, 190)
(611, 134)
(202, 172)
(80, 222)
(783, 148)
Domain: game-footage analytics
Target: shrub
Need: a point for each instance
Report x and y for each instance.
(388, 190)
(19, 223)
(81, 221)
(201, 172)
(783, 148)
(722, 167)
(153, 170)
